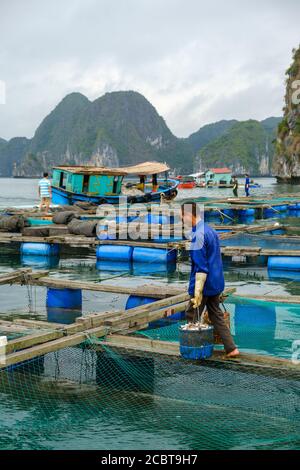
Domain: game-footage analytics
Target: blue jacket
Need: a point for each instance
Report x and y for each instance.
(206, 258)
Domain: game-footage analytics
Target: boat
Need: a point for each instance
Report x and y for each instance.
(99, 185)
(186, 182)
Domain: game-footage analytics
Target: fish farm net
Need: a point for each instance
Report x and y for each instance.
(99, 396)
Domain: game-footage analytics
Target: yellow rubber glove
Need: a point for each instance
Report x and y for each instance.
(198, 292)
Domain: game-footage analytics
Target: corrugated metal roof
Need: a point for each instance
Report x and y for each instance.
(220, 170)
(146, 168)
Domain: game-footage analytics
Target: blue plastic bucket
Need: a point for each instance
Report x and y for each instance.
(114, 252)
(64, 298)
(196, 344)
(194, 354)
(40, 249)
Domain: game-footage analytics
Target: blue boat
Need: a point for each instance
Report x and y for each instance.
(100, 185)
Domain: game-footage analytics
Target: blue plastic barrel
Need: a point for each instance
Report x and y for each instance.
(39, 261)
(153, 255)
(64, 298)
(290, 263)
(228, 212)
(284, 274)
(281, 208)
(156, 219)
(153, 269)
(114, 266)
(165, 239)
(104, 235)
(114, 252)
(40, 249)
(136, 301)
(246, 212)
(211, 215)
(278, 231)
(32, 221)
(269, 212)
(63, 315)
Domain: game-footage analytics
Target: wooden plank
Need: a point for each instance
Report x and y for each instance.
(134, 321)
(31, 340)
(129, 320)
(12, 277)
(50, 346)
(269, 252)
(10, 327)
(143, 291)
(291, 299)
(38, 324)
(172, 348)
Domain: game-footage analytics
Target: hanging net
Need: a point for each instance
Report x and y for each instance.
(96, 396)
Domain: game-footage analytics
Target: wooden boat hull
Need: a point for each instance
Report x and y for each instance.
(63, 197)
(186, 185)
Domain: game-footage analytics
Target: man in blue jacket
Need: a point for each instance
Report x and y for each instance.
(247, 185)
(207, 278)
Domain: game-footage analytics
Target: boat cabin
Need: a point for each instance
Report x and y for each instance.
(88, 180)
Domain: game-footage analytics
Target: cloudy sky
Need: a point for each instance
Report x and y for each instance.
(197, 61)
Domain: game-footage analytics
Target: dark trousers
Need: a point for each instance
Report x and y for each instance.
(216, 317)
(235, 192)
(247, 192)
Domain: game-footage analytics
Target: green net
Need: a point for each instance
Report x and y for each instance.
(99, 397)
(96, 396)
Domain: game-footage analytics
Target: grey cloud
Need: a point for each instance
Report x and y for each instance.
(196, 61)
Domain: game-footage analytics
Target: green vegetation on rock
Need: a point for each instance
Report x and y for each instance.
(123, 128)
(246, 146)
(287, 160)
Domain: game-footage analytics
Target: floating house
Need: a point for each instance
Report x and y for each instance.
(100, 185)
(220, 177)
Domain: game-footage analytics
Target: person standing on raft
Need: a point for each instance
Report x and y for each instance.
(207, 277)
(247, 185)
(45, 192)
(235, 186)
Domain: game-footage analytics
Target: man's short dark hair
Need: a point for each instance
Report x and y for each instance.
(45, 174)
(190, 207)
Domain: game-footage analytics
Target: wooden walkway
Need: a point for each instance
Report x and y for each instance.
(114, 327)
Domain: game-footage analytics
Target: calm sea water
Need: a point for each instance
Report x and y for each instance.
(174, 406)
(24, 192)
